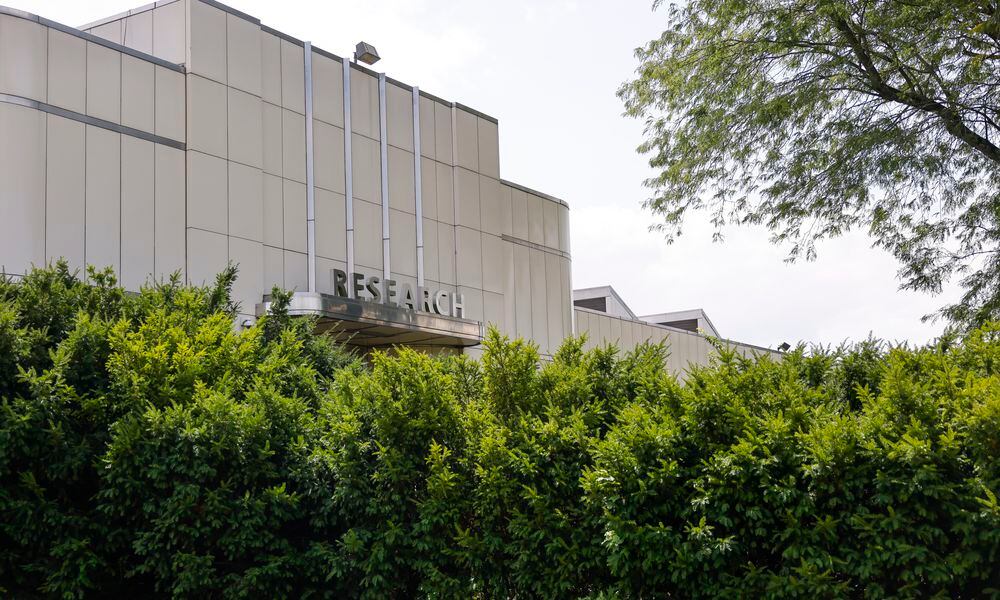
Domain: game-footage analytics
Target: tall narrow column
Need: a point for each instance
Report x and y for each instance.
(418, 186)
(454, 183)
(384, 154)
(310, 173)
(348, 167)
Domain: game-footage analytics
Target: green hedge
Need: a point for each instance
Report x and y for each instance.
(148, 449)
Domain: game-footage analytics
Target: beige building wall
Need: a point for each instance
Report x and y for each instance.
(229, 95)
(685, 348)
(174, 137)
(91, 153)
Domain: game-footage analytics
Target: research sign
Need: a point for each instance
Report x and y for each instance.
(372, 288)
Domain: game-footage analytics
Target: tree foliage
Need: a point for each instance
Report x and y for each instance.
(814, 117)
(148, 449)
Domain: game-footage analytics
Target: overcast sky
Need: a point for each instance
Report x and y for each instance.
(549, 70)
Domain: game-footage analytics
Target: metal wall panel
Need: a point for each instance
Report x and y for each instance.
(103, 198)
(138, 211)
(65, 191)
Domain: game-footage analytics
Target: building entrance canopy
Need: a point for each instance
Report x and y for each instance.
(374, 324)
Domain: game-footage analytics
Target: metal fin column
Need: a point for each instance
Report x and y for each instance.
(348, 167)
(384, 152)
(310, 173)
(454, 183)
(417, 186)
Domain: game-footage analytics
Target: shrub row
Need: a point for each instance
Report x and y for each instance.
(147, 448)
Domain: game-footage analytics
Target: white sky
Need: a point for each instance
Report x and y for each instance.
(549, 70)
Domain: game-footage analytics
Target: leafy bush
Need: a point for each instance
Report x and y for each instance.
(149, 448)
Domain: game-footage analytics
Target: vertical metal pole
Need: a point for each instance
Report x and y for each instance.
(417, 186)
(454, 182)
(384, 162)
(348, 167)
(310, 173)
(384, 153)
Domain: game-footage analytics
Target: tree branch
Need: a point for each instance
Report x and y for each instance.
(951, 120)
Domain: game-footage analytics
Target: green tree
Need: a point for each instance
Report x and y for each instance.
(149, 449)
(815, 117)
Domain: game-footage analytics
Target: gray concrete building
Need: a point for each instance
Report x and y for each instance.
(185, 134)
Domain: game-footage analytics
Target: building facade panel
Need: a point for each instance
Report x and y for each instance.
(168, 31)
(428, 140)
(445, 184)
(274, 268)
(473, 302)
(536, 219)
(293, 146)
(550, 224)
(566, 287)
(331, 226)
(104, 81)
(170, 104)
(292, 77)
(364, 105)
(271, 138)
(111, 31)
(368, 238)
(170, 219)
(138, 93)
(207, 255)
(22, 195)
(447, 267)
(537, 294)
(206, 51)
(402, 193)
(296, 277)
(466, 140)
(65, 191)
(518, 212)
(206, 152)
(245, 129)
(510, 289)
(243, 54)
(294, 201)
(493, 311)
(270, 63)
(399, 116)
(274, 229)
(443, 134)
(467, 199)
(103, 214)
(684, 348)
(328, 90)
(428, 186)
(403, 242)
(494, 207)
(248, 256)
(522, 289)
(67, 71)
(432, 249)
(207, 192)
(488, 148)
(246, 202)
(138, 31)
(137, 210)
(207, 116)
(328, 149)
(23, 55)
(366, 168)
(470, 257)
(555, 299)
